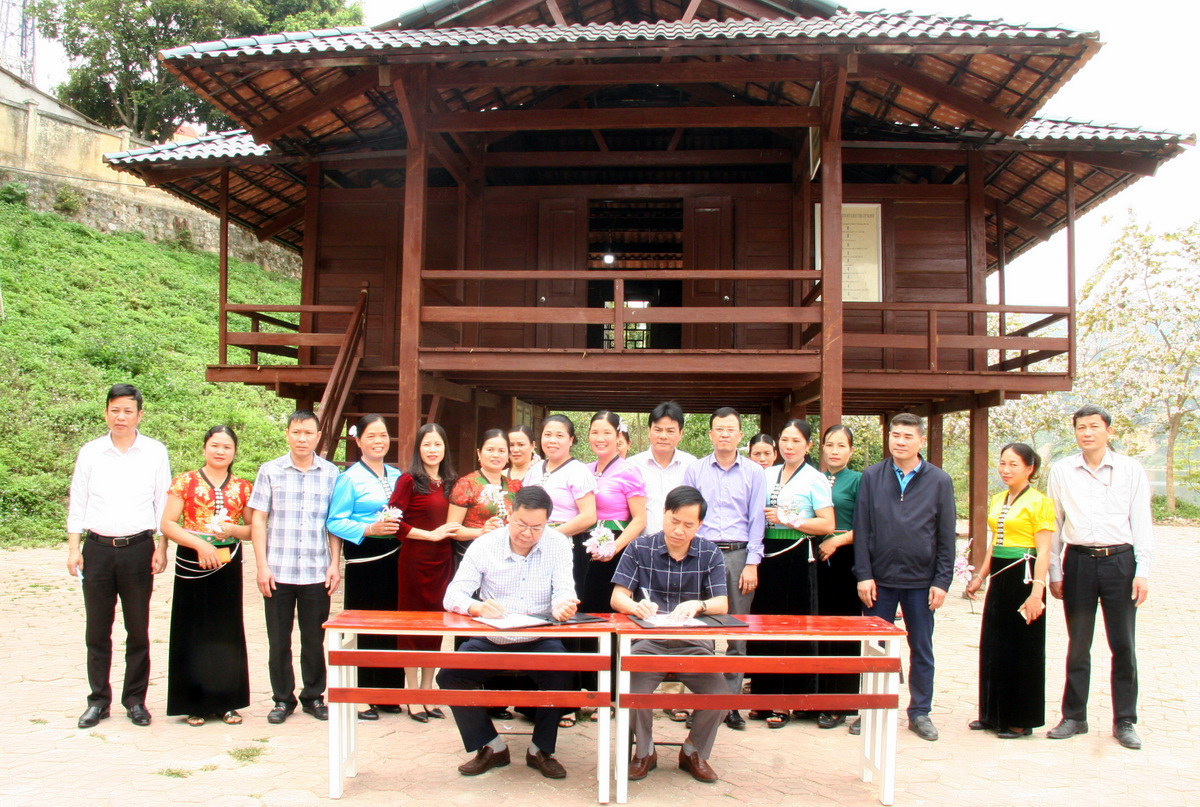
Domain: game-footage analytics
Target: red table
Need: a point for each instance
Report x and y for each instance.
(878, 699)
(341, 640)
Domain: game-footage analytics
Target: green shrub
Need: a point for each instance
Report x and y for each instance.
(14, 193)
(68, 200)
(1183, 510)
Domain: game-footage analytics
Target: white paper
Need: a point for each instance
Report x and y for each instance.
(665, 621)
(511, 621)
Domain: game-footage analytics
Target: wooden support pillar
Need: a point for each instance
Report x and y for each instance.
(978, 484)
(1069, 168)
(833, 91)
(312, 249)
(977, 250)
(935, 442)
(223, 263)
(411, 94)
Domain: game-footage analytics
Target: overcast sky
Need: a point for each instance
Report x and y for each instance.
(1141, 77)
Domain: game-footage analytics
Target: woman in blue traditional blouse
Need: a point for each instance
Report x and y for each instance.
(358, 514)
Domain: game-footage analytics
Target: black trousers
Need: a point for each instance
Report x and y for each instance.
(1108, 581)
(112, 573)
(310, 605)
(474, 725)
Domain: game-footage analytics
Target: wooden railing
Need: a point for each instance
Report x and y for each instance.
(1030, 348)
(619, 315)
(341, 379)
(286, 343)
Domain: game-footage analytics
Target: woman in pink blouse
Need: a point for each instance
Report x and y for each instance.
(620, 512)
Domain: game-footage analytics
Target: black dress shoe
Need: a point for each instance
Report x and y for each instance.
(92, 715)
(1067, 728)
(485, 759)
(138, 715)
(735, 721)
(499, 713)
(855, 728)
(370, 713)
(977, 725)
(388, 708)
(1126, 736)
(829, 720)
(281, 712)
(1012, 734)
(317, 709)
(545, 764)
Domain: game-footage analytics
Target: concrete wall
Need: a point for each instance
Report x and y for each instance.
(46, 145)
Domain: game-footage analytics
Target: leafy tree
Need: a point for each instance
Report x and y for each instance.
(114, 44)
(1138, 312)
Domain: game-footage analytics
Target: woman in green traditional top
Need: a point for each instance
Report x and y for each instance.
(1012, 643)
(798, 507)
(837, 588)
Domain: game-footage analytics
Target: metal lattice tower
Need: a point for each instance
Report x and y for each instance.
(17, 37)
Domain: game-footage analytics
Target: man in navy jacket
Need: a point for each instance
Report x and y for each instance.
(904, 529)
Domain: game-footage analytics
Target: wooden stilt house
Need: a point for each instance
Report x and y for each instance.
(506, 207)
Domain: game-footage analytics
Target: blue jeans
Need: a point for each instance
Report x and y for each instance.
(918, 621)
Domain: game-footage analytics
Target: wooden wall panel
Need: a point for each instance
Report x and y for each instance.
(359, 242)
(509, 243)
(762, 241)
(441, 252)
(562, 245)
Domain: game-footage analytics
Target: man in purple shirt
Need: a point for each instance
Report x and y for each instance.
(733, 487)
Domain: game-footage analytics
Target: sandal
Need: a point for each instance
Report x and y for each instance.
(778, 720)
(566, 721)
(677, 715)
(195, 720)
(232, 718)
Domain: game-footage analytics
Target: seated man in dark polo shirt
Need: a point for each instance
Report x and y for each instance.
(674, 572)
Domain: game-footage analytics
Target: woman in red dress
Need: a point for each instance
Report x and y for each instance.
(426, 556)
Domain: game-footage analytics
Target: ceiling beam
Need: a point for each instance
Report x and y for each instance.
(655, 118)
(280, 223)
(581, 159)
(1029, 225)
(692, 72)
(935, 89)
(1125, 163)
(319, 104)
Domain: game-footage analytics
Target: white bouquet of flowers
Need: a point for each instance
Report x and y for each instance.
(602, 544)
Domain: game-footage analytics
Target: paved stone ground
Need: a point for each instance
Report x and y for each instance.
(45, 759)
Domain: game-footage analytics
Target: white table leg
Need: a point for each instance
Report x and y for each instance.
(603, 759)
(333, 639)
(624, 644)
(349, 713)
(890, 717)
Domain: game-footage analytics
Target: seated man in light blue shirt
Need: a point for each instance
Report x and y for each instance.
(520, 568)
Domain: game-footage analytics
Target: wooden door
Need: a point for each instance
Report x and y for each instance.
(707, 245)
(562, 246)
(762, 241)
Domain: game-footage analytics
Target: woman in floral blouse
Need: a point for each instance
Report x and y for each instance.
(207, 672)
(481, 501)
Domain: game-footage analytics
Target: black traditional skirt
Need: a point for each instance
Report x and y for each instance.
(1012, 655)
(207, 673)
(787, 584)
(837, 595)
(372, 584)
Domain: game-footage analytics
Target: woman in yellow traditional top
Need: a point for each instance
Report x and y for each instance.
(1012, 644)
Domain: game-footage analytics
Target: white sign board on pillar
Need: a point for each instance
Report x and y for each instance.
(862, 252)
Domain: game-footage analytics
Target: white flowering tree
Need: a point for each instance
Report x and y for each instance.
(1139, 333)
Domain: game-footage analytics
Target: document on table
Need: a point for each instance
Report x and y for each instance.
(666, 621)
(512, 621)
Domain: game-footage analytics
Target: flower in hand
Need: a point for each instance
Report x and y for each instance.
(602, 544)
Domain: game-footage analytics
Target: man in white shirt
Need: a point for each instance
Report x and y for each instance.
(118, 492)
(523, 567)
(1102, 500)
(663, 465)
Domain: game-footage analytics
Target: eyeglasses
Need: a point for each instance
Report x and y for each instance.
(725, 432)
(528, 528)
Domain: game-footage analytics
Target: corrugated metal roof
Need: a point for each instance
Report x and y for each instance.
(233, 143)
(847, 25)
(1046, 129)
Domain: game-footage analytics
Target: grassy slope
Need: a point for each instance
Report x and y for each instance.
(85, 310)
